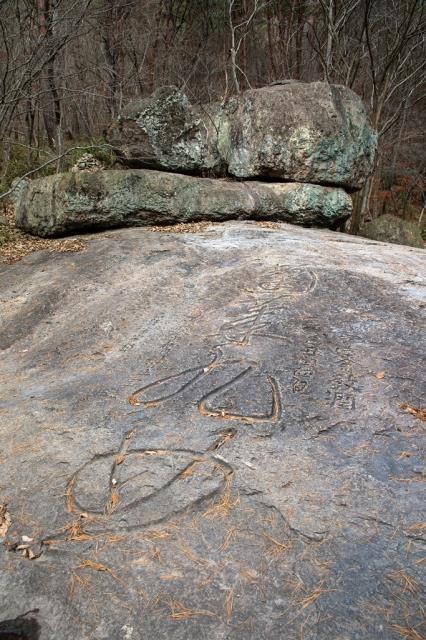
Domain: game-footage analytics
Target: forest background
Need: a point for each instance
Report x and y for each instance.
(68, 66)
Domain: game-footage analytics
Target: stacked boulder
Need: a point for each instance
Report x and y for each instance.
(292, 151)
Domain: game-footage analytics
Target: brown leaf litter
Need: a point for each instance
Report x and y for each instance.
(86, 563)
(21, 244)
(407, 582)
(408, 633)
(414, 411)
(179, 611)
(5, 520)
(181, 227)
(313, 596)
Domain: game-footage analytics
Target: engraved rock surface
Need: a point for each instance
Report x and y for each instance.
(67, 202)
(296, 131)
(213, 435)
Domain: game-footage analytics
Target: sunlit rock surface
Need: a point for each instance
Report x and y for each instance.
(213, 435)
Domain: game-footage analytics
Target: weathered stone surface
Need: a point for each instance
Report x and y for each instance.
(301, 132)
(304, 132)
(164, 131)
(202, 436)
(389, 228)
(72, 201)
(87, 162)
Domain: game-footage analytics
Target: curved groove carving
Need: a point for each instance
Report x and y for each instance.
(143, 487)
(169, 383)
(272, 416)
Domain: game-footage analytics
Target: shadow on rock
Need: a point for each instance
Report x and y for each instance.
(23, 627)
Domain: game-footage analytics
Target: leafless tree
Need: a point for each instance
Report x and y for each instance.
(68, 66)
(239, 30)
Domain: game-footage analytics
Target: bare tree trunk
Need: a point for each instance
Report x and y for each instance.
(240, 30)
(299, 40)
(30, 120)
(233, 50)
(329, 52)
(270, 45)
(52, 109)
(59, 145)
(397, 147)
(361, 201)
(112, 37)
(5, 158)
(51, 100)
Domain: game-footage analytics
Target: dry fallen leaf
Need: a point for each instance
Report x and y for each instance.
(28, 552)
(404, 454)
(414, 411)
(132, 399)
(5, 520)
(96, 566)
(380, 375)
(26, 539)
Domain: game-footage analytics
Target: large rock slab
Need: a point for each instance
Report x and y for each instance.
(213, 435)
(79, 201)
(301, 132)
(388, 228)
(165, 131)
(305, 132)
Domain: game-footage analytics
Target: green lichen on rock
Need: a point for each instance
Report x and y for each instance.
(76, 201)
(164, 131)
(313, 139)
(301, 132)
(389, 228)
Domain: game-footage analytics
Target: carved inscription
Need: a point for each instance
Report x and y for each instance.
(254, 316)
(264, 300)
(239, 382)
(306, 365)
(343, 387)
